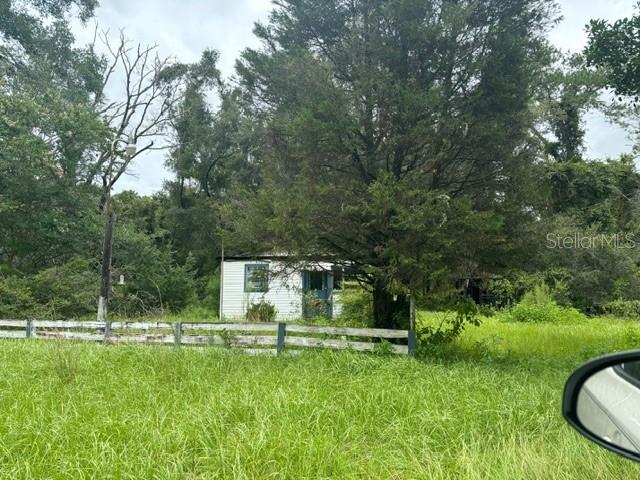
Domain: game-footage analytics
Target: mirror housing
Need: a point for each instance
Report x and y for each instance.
(605, 402)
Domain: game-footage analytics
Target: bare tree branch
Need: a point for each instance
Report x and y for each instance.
(140, 111)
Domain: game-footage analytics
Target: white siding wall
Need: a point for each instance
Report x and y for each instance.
(285, 291)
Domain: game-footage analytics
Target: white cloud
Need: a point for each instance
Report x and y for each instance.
(184, 28)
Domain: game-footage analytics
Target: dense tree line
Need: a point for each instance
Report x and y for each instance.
(416, 142)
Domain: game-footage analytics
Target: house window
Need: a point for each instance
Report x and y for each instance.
(316, 280)
(256, 277)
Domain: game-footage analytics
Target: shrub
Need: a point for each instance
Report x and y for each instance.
(67, 291)
(211, 292)
(314, 307)
(503, 292)
(462, 311)
(550, 313)
(357, 307)
(540, 294)
(261, 312)
(154, 282)
(16, 299)
(623, 308)
(509, 290)
(539, 306)
(486, 310)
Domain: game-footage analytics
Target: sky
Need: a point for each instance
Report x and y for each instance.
(183, 28)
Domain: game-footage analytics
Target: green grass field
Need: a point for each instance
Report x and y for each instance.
(486, 407)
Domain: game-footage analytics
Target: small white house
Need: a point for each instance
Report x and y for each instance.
(303, 291)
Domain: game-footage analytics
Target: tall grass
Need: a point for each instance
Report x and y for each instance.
(486, 407)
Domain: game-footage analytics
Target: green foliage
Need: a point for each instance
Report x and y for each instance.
(389, 140)
(486, 310)
(586, 278)
(449, 325)
(64, 292)
(595, 194)
(46, 218)
(196, 312)
(357, 307)
(49, 132)
(615, 47)
(539, 306)
(539, 295)
(65, 365)
(212, 157)
(154, 282)
(383, 348)
(16, 298)
(602, 269)
(623, 308)
(379, 134)
(68, 291)
(261, 312)
(565, 93)
(504, 292)
(315, 308)
(211, 294)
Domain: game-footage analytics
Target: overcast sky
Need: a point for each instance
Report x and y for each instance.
(183, 28)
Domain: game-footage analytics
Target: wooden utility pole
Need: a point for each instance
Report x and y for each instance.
(107, 247)
(107, 241)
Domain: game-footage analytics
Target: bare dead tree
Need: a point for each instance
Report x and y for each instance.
(137, 116)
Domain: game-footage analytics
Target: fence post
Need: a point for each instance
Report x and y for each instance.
(412, 312)
(280, 340)
(107, 330)
(177, 335)
(411, 342)
(29, 328)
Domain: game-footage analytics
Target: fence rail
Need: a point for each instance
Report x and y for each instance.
(268, 338)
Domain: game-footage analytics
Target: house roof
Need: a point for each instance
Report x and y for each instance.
(274, 256)
(254, 257)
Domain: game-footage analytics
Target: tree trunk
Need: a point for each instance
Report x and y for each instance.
(105, 277)
(389, 311)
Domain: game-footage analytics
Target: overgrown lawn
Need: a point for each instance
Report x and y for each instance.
(487, 407)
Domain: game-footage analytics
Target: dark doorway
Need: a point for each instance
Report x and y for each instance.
(316, 294)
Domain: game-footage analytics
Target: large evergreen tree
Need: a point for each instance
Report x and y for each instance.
(398, 135)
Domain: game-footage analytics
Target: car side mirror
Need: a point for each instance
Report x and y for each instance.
(602, 401)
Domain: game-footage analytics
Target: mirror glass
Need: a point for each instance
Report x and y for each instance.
(609, 405)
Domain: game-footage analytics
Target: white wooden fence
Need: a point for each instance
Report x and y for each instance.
(270, 338)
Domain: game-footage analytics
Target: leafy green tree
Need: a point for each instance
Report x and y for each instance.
(599, 195)
(565, 92)
(615, 47)
(595, 265)
(66, 291)
(48, 131)
(154, 282)
(212, 154)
